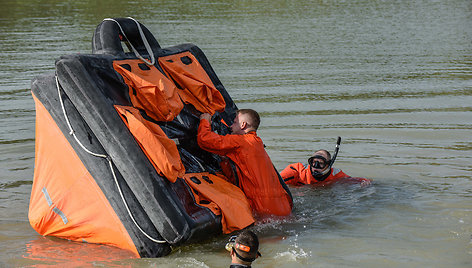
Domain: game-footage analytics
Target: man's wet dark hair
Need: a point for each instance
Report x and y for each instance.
(249, 239)
(254, 117)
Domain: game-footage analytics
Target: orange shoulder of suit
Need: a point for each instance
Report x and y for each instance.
(258, 177)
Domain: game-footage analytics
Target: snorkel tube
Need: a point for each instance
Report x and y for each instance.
(335, 153)
(321, 176)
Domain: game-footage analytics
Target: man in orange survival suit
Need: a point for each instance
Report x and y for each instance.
(318, 172)
(257, 176)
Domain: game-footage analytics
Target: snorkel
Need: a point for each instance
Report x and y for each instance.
(335, 152)
(321, 176)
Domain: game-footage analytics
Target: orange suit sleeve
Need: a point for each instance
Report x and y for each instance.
(340, 175)
(359, 180)
(291, 173)
(214, 143)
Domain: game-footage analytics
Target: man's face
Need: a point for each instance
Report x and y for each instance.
(319, 165)
(236, 127)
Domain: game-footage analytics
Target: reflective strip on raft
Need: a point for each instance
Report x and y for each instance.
(55, 209)
(60, 213)
(46, 195)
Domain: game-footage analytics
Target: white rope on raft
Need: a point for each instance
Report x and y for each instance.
(143, 37)
(110, 163)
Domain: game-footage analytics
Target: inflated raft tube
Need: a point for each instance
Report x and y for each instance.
(93, 180)
(110, 35)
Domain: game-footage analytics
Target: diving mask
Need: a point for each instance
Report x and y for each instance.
(318, 162)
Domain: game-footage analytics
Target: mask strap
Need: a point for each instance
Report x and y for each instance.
(242, 258)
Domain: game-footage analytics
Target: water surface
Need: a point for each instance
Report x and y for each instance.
(392, 78)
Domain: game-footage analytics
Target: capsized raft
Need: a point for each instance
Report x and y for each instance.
(116, 157)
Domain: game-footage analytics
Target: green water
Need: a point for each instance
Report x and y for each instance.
(392, 78)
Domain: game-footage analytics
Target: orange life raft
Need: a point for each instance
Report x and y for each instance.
(117, 161)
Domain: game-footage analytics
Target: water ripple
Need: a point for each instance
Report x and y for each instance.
(14, 184)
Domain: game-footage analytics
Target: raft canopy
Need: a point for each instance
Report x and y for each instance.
(116, 159)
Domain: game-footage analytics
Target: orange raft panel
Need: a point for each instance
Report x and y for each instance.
(116, 158)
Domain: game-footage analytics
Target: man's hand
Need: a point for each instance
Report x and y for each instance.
(366, 182)
(206, 116)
